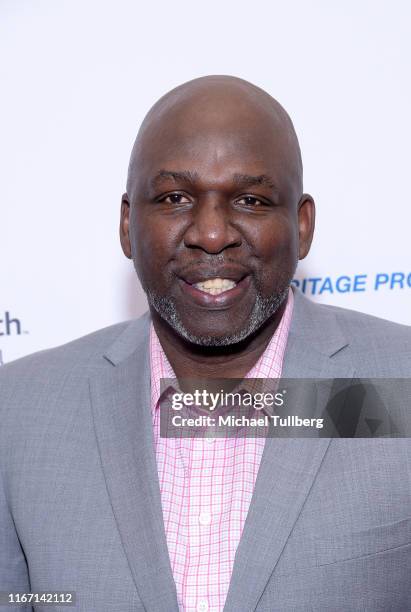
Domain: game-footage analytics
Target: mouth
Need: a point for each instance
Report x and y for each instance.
(216, 293)
(215, 286)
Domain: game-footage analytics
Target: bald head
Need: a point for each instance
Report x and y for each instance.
(210, 109)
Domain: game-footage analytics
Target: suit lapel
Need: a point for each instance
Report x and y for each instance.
(288, 466)
(120, 398)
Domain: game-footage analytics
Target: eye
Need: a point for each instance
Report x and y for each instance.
(251, 201)
(175, 198)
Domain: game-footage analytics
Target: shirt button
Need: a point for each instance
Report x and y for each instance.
(210, 440)
(204, 519)
(202, 605)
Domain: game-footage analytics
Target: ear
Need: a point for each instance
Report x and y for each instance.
(306, 223)
(125, 226)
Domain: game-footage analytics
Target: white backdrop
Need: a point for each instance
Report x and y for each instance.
(78, 76)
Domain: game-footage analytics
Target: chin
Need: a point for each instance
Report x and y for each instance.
(213, 341)
(207, 336)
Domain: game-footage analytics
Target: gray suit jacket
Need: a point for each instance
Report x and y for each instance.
(329, 524)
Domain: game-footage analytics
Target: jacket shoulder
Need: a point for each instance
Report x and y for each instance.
(377, 347)
(363, 328)
(83, 353)
(374, 347)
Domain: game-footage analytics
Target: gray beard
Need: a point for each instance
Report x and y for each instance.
(264, 308)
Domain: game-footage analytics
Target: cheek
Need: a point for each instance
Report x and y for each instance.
(153, 246)
(277, 253)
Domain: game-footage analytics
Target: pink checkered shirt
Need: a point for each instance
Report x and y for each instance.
(206, 488)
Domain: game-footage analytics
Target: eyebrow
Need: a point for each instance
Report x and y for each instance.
(183, 175)
(242, 180)
(247, 180)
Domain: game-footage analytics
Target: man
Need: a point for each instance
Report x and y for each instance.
(94, 500)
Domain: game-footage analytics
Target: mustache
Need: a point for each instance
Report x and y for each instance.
(212, 262)
(207, 268)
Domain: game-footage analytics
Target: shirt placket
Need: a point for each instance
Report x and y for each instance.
(201, 589)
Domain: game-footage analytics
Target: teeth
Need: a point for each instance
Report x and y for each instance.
(214, 286)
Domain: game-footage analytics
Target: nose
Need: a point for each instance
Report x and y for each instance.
(211, 229)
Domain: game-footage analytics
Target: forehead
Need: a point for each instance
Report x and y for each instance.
(216, 134)
(213, 154)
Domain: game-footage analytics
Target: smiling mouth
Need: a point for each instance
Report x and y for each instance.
(215, 286)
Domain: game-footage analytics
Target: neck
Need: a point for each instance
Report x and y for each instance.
(194, 361)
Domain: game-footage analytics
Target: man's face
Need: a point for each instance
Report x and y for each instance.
(215, 228)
